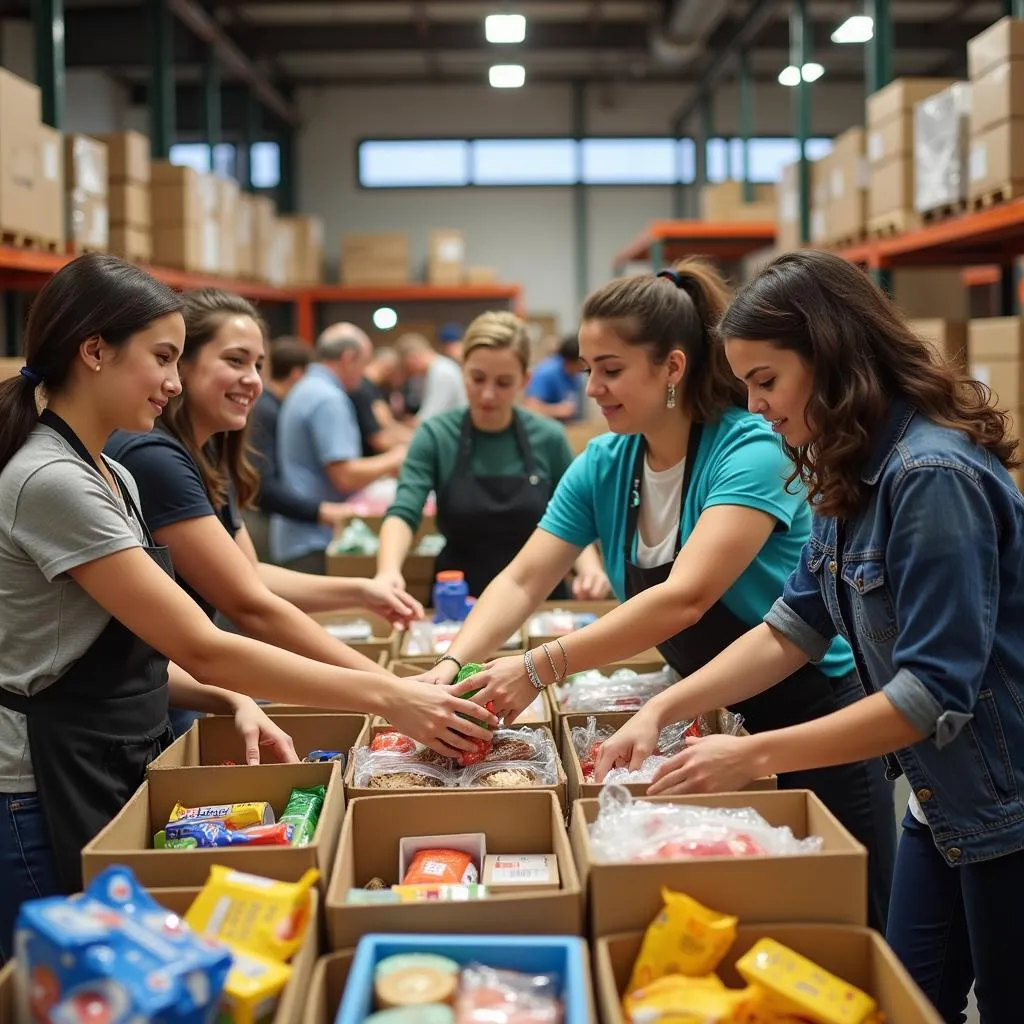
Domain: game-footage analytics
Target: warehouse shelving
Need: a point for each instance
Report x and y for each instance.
(665, 241)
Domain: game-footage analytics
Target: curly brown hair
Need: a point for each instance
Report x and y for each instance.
(863, 355)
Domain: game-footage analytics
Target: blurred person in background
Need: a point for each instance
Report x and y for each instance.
(557, 383)
(385, 379)
(377, 427)
(450, 337)
(440, 377)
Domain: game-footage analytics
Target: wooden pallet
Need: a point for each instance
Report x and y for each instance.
(994, 196)
(897, 222)
(78, 249)
(944, 212)
(23, 241)
(849, 240)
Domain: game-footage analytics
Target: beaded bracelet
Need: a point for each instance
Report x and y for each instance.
(531, 670)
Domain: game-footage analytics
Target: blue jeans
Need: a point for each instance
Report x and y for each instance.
(26, 863)
(952, 927)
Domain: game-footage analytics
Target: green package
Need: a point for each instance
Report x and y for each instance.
(303, 811)
(161, 842)
(465, 673)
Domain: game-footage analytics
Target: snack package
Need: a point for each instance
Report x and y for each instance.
(392, 742)
(441, 867)
(208, 834)
(254, 985)
(303, 812)
(685, 938)
(487, 996)
(677, 999)
(234, 816)
(521, 745)
(414, 979)
(322, 756)
(623, 690)
(481, 747)
(259, 915)
(114, 954)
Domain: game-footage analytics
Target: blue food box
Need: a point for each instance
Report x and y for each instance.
(113, 954)
(564, 957)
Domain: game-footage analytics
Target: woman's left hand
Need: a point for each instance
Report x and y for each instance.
(710, 764)
(591, 586)
(503, 682)
(386, 599)
(258, 732)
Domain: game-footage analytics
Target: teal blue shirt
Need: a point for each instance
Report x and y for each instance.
(739, 462)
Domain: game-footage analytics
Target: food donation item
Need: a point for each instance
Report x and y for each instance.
(441, 867)
(234, 816)
(302, 811)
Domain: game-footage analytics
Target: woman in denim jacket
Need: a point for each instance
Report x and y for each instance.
(916, 557)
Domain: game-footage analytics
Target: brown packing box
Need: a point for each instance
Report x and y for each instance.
(858, 956)
(997, 95)
(428, 523)
(127, 157)
(820, 179)
(996, 353)
(372, 259)
(996, 158)
(135, 244)
(85, 165)
(10, 367)
(128, 839)
(787, 216)
(891, 187)
(829, 886)
(897, 99)
(724, 202)
(19, 123)
(308, 239)
(88, 220)
(847, 186)
(214, 740)
(947, 337)
(1001, 42)
(519, 822)
(175, 197)
(384, 636)
(180, 247)
(927, 292)
(482, 275)
(326, 989)
(264, 231)
(228, 197)
(245, 259)
(50, 186)
(129, 204)
(403, 652)
(418, 571)
(446, 257)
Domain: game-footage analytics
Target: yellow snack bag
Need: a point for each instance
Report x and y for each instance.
(234, 816)
(796, 986)
(676, 999)
(252, 914)
(685, 938)
(252, 990)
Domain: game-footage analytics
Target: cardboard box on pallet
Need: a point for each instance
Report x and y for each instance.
(20, 108)
(820, 174)
(847, 187)
(374, 259)
(263, 235)
(829, 886)
(941, 148)
(85, 170)
(128, 157)
(213, 741)
(245, 226)
(787, 216)
(520, 822)
(50, 188)
(446, 257)
(724, 202)
(929, 292)
(228, 198)
(996, 352)
(308, 245)
(858, 956)
(997, 162)
(186, 233)
(134, 244)
(947, 337)
(128, 839)
(326, 988)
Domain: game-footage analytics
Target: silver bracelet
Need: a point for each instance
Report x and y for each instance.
(531, 671)
(565, 658)
(551, 662)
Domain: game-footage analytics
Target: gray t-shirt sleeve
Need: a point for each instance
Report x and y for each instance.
(67, 516)
(443, 388)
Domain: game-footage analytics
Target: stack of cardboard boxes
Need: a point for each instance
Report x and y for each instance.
(186, 231)
(264, 235)
(85, 168)
(995, 347)
(846, 188)
(226, 216)
(375, 259)
(446, 257)
(787, 209)
(307, 246)
(724, 202)
(941, 133)
(128, 179)
(995, 61)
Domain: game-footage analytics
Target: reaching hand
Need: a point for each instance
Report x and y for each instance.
(709, 764)
(433, 715)
(441, 674)
(593, 586)
(398, 607)
(333, 512)
(504, 685)
(259, 731)
(629, 747)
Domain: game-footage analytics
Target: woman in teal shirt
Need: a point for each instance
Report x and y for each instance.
(698, 531)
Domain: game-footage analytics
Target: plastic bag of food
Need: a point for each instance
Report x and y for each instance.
(303, 811)
(489, 996)
(677, 999)
(521, 745)
(386, 771)
(511, 774)
(623, 690)
(441, 867)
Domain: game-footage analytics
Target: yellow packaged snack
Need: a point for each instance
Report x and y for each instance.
(676, 999)
(252, 914)
(796, 986)
(685, 938)
(234, 816)
(252, 990)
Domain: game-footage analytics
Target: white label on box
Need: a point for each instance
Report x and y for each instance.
(838, 183)
(789, 206)
(982, 372)
(50, 160)
(450, 250)
(528, 868)
(979, 162)
(875, 148)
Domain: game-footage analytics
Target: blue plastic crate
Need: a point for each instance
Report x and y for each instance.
(562, 956)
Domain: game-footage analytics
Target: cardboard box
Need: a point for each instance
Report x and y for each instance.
(830, 886)
(131, 243)
(19, 136)
(482, 275)
(228, 198)
(927, 292)
(280, 254)
(128, 839)
(128, 158)
(857, 955)
(88, 220)
(214, 740)
(941, 147)
(999, 43)
(130, 205)
(787, 216)
(446, 257)
(891, 187)
(418, 571)
(409, 643)
(178, 195)
(947, 337)
(372, 259)
(384, 635)
(997, 158)
(847, 186)
(245, 227)
(10, 367)
(50, 186)
(85, 166)
(598, 608)
(326, 989)
(997, 95)
(264, 233)
(996, 352)
(821, 173)
(724, 202)
(180, 247)
(896, 101)
(308, 242)
(520, 822)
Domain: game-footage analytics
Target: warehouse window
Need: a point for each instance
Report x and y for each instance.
(524, 162)
(266, 160)
(629, 162)
(266, 164)
(420, 163)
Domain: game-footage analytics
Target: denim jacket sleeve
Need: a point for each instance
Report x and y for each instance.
(942, 560)
(801, 614)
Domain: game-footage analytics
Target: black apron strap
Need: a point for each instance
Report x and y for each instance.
(465, 450)
(525, 449)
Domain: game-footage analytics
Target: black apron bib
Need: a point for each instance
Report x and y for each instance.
(92, 733)
(805, 695)
(485, 520)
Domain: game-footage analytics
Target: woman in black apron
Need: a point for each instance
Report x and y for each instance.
(493, 468)
(686, 496)
(87, 621)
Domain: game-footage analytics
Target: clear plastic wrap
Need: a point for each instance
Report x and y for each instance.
(490, 996)
(558, 622)
(941, 148)
(510, 774)
(351, 632)
(623, 690)
(426, 638)
(391, 771)
(632, 830)
(645, 773)
(521, 745)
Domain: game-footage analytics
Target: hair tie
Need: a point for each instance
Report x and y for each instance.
(671, 275)
(31, 376)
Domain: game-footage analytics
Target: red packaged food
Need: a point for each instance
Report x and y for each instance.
(441, 867)
(393, 743)
(735, 845)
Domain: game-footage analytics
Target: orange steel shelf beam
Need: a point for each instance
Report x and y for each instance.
(680, 238)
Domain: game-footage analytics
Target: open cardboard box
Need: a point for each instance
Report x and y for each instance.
(857, 955)
(403, 652)
(418, 571)
(580, 790)
(128, 839)
(327, 988)
(829, 886)
(513, 822)
(214, 740)
(382, 641)
(352, 791)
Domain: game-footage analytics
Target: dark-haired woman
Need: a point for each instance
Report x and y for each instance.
(916, 558)
(193, 476)
(697, 530)
(89, 611)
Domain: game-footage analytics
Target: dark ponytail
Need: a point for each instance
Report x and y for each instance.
(94, 295)
(676, 309)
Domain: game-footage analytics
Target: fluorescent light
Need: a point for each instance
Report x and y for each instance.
(812, 72)
(507, 76)
(789, 75)
(858, 28)
(505, 28)
(385, 318)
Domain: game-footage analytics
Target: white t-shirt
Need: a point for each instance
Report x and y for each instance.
(443, 388)
(658, 522)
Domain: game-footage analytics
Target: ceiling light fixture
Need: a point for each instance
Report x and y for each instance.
(507, 76)
(812, 71)
(505, 28)
(858, 28)
(791, 76)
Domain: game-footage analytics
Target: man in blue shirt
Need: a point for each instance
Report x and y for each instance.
(556, 384)
(319, 446)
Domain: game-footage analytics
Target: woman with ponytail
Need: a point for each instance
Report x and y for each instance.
(687, 497)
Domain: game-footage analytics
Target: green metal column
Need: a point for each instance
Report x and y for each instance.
(212, 125)
(580, 194)
(878, 55)
(1013, 8)
(251, 133)
(286, 191)
(707, 128)
(48, 29)
(162, 117)
(746, 123)
(799, 55)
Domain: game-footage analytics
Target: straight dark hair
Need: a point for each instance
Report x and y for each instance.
(863, 355)
(96, 295)
(677, 309)
(224, 461)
